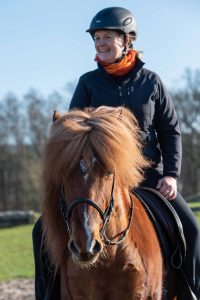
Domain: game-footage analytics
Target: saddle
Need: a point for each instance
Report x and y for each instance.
(171, 236)
(167, 224)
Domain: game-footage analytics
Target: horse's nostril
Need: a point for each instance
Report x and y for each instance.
(73, 247)
(82, 253)
(96, 247)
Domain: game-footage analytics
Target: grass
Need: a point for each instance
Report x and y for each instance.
(195, 206)
(197, 214)
(16, 253)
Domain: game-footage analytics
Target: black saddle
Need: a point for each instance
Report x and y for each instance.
(167, 224)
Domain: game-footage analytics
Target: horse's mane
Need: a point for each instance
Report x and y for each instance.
(111, 134)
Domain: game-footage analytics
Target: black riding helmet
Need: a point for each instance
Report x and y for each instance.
(115, 18)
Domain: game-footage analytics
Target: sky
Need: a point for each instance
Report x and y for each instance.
(44, 46)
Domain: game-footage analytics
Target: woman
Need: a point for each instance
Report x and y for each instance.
(120, 79)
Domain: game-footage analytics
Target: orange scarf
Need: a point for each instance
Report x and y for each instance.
(122, 67)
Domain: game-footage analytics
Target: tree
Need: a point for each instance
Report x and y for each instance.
(24, 127)
(187, 102)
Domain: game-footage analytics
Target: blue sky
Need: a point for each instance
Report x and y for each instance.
(43, 43)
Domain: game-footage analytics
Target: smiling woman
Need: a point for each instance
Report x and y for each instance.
(121, 79)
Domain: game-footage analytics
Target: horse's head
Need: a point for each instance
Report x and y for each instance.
(86, 205)
(92, 158)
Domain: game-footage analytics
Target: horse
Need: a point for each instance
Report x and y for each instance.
(97, 233)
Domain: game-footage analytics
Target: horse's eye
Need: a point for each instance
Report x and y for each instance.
(108, 174)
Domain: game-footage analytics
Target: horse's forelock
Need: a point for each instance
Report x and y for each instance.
(111, 133)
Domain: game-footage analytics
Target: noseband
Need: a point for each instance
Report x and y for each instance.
(105, 216)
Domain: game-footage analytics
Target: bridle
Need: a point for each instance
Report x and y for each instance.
(105, 216)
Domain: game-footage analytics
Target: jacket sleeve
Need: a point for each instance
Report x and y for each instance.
(168, 132)
(81, 97)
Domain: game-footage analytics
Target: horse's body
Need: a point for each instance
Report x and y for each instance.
(111, 250)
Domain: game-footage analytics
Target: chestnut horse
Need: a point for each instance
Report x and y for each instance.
(97, 232)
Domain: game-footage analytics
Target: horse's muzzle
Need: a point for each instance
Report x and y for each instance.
(85, 255)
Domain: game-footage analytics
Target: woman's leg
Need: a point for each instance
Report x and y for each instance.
(47, 284)
(191, 265)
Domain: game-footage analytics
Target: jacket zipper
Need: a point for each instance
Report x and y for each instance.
(120, 90)
(120, 94)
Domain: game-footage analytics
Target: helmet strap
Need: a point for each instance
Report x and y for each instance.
(126, 48)
(126, 43)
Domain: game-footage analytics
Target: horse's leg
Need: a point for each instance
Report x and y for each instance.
(127, 287)
(63, 285)
(80, 284)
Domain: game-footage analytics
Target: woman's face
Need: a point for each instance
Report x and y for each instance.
(109, 45)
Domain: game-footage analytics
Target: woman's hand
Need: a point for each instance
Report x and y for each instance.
(167, 186)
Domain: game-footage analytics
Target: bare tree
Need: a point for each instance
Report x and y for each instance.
(11, 144)
(187, 101)
(24, 126)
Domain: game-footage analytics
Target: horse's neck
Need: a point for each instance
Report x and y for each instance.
(119, 224)
(120, 217)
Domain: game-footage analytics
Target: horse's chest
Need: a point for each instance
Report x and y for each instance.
(103, 285)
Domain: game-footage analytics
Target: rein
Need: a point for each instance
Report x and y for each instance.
(105, 216)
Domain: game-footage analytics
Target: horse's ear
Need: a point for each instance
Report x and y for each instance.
(56, 115)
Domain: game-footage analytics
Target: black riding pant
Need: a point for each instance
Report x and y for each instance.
(191, 265)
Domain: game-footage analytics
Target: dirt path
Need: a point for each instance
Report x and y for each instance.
(22, 289)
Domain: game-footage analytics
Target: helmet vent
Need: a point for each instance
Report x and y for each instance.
(127, 21)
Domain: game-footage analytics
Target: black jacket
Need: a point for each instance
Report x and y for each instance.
(144, 94)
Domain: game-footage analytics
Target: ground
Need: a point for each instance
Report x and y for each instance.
(22, 289)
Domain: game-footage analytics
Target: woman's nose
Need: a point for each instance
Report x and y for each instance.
(100, 42)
